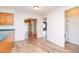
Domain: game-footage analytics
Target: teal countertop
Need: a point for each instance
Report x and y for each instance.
(5, 33)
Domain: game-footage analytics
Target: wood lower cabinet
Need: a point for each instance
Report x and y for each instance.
(6, 45)
(6, 19)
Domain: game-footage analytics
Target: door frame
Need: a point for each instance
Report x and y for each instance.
(31, 34)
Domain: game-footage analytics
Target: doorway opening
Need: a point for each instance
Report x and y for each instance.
(45, 28)
(30, 28)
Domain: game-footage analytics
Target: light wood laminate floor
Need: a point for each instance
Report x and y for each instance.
(42, 46)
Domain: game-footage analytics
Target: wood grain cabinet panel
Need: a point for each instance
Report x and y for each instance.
(6, 19)
(6, 45)
(2, 17)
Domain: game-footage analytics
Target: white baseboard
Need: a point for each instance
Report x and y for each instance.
(57, 43)
(74, 42)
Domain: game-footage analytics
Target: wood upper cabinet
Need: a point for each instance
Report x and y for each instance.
(6, 19)
(72, 12)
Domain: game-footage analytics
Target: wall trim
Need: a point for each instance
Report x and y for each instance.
(74, 42)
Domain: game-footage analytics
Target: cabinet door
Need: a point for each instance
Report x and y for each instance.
(9, 19)
(7, 44)
(6, 19)
(2, 19)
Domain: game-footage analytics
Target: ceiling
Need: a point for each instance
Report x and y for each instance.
(41, 10)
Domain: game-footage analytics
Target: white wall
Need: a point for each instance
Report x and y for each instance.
(19, 17)
(56, 25)
(73, 29)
